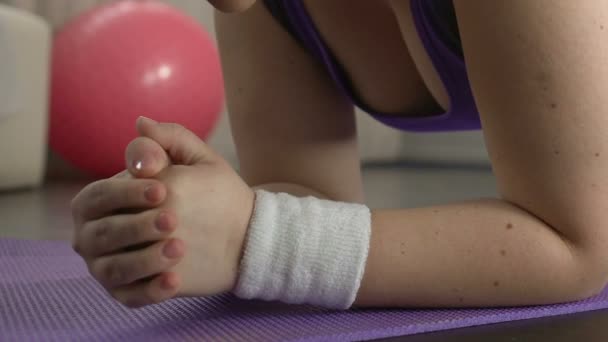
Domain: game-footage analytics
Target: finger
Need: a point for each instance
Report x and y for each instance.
(146, 158)
(183, 146)
(125, 268)
(160, 288)
(111, 234)
(105, 196)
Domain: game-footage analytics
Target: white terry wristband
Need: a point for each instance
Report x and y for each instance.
(304, 250)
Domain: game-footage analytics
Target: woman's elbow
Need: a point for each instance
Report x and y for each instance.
(593, 277)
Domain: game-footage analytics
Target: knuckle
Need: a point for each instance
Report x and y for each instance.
(177, 130)
(96, 271)
(122, 298)
(86, 199)
(74, 206)
(145, 263)
(175, 127)
(101, 232)
(97, 193)
(79, 243)
(130, 298)
(98, 190)
(115, 274)
(150, 296)
(116, 294)
(77, 208)
(129, 301)
(82, 240)
(110, 273)
(101, 229)
(135, 233)
(135, 191)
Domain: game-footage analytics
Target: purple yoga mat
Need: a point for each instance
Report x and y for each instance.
(46, 294)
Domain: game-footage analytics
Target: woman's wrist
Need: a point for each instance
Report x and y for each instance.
(304, 250)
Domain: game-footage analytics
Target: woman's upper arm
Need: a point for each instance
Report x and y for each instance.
(290, 123)
(538, 71)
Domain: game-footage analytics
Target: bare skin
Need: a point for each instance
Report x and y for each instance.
(541, 105)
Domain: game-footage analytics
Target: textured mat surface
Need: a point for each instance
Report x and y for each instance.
(46, 294)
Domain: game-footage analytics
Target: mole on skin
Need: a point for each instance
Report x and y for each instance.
(496, 284)
(509, 226)
(503, 252)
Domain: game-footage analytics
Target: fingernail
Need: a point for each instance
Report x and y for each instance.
(172, 249)
(144, 118)
(164, 223)
(138, 165)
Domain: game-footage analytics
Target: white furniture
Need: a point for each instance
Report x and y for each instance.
(24, 78)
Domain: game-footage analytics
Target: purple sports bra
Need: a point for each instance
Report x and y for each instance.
(462, 114)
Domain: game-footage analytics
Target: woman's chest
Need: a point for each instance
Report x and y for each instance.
(378, 46)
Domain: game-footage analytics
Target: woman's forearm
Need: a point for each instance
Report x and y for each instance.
(485, 252)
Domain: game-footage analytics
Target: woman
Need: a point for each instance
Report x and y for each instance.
(292, 226)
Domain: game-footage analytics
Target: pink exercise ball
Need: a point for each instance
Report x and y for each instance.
(122, 60)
